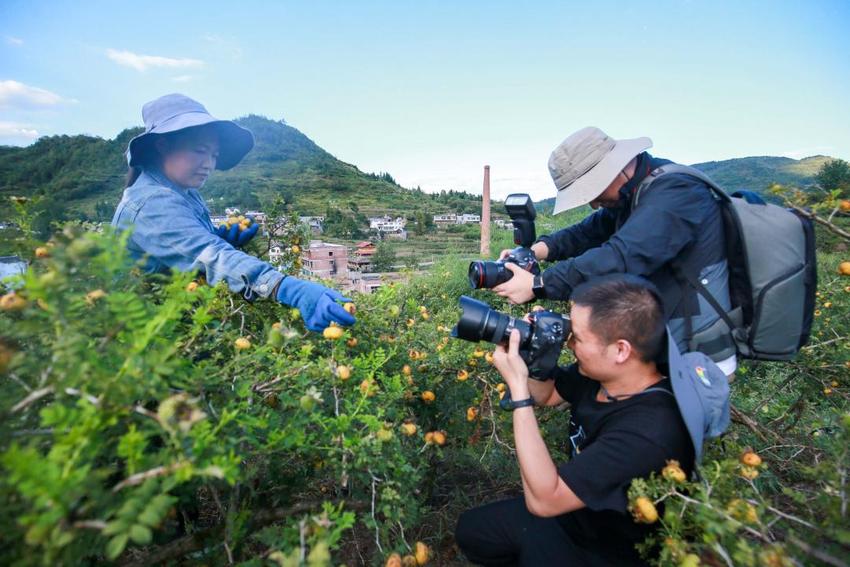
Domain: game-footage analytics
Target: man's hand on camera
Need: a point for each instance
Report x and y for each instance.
(518, 288)
(512, 367)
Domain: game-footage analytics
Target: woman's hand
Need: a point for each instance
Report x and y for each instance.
(512, 367)
(317, 303)
(235, 237)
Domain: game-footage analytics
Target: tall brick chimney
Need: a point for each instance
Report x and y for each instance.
(485, 215)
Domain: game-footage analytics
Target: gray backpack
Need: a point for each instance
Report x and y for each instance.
(772, 272)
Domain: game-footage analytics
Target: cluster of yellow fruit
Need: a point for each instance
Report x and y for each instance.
(750, 463)
(420, 556)
(435, 438)
(242, 221)
(742, 511)
(417, 355)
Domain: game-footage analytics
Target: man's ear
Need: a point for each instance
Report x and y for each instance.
(624, 350)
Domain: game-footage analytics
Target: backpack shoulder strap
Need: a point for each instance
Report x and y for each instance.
(718, 193)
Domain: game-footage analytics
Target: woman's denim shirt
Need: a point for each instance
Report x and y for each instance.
(172, 230)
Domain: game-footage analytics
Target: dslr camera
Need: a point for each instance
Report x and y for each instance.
(541, 339)
(489, 274)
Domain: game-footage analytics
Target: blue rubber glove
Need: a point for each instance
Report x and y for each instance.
(317, 303)
(234, 237)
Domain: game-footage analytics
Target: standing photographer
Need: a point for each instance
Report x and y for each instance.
(627, 420)
(676, 224)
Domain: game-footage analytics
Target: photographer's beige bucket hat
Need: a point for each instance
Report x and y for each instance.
(586, 163)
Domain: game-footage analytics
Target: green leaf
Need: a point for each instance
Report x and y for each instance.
(140, 534)
(116, 545)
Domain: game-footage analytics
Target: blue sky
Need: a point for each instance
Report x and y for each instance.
(432, 91)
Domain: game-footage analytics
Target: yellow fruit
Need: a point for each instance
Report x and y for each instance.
(277, 326)
(408, 429)
(827, 391)
(844, 205)
(478, 353)
(384, 434)
(242, 343)
(500, 387)
(844, 268)
(428, 396)
(429, 438)
(366, 388)
(489, 357)
(422, 554)
(834, 383)
(674, 472)
(462, 375)
(410, 322)
(408, 561)
(439, 438)
(425, 316)
(296, 249)
(350, 307)
(12, 302)
(333, 333)
(94, 295)
(191, 286)
(471, 414)
(344, 372)
(352, 342)
(406, 370)
(42, 252)
(394, 310)
(750, 459)
(644, 510)
(743, 511)
(690, 560)
(749, 473)
(394, 560)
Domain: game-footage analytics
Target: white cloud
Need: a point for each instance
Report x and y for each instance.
(13, 133)
(18, 95)
(145, 62)
(182, 78)
(16, 41)
(801, 153)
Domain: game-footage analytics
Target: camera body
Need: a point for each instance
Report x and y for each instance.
(489, 274)
(541, 338)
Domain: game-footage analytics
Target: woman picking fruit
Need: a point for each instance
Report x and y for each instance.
(181, 145)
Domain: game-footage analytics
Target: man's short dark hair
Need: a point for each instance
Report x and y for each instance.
(626, 307)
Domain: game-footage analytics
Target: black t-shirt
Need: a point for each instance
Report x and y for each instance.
(611, 444)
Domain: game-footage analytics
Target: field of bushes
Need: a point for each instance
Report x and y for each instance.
(151, 420)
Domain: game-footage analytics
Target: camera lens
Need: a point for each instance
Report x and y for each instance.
(480, 323)
(488, 274)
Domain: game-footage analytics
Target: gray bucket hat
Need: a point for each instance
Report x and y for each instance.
(584, 164)
(701, 390)
(174, 112)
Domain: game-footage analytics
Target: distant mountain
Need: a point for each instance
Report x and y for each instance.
(84, 175)
(751, 173)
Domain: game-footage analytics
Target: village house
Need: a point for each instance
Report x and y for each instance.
(316, 224)
(361, 258)
(325, 260)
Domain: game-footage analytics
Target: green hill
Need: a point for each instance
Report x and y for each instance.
(759, 173)
(752, 173)
(84, 176)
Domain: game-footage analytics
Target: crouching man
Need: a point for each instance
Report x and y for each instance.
(629, 416)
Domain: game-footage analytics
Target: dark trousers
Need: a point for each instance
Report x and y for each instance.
(506, 533)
